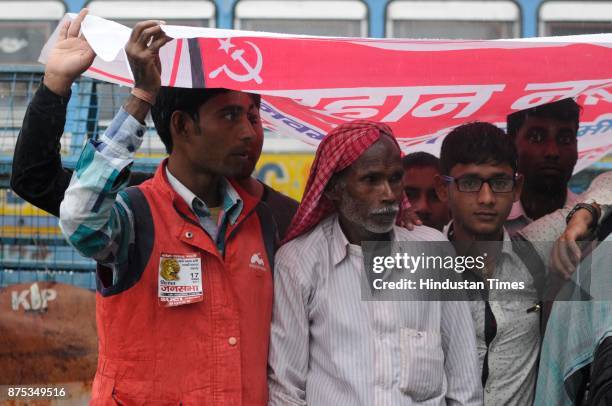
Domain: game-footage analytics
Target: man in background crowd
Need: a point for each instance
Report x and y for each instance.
(420, 169)
(546, 140)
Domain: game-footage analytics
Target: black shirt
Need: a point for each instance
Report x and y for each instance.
(37, 174)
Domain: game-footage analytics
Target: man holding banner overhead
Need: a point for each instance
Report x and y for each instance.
(184, 260)
(37, 174)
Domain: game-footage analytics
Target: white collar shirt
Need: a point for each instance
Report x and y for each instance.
(513, 353)
(231, 207)
(330, 347)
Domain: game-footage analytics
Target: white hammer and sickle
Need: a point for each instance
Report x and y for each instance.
(252, 71)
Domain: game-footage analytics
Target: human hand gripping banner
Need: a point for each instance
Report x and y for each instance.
(421, 88)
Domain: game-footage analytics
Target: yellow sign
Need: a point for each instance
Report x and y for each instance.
(21, 219)
(286, 173)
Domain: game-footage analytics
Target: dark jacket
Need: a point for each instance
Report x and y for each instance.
(37, 175)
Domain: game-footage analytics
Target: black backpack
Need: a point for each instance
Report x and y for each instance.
(605, 228)
(600, 387)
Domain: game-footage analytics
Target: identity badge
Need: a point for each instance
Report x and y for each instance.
(179, 280)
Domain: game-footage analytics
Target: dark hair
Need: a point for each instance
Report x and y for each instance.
(477, 143)
(421, 159)
(561, 110)
(171, 99)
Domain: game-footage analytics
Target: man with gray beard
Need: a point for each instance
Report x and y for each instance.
(330, 347)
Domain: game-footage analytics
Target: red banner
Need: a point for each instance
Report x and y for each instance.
(422, 88)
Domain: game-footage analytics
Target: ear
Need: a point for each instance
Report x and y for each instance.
(333, 190)
(441, 188)
(518, 186)
(181, 126)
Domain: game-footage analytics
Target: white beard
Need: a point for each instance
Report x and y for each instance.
(350, 210)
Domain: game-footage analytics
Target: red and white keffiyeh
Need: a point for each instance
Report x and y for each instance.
(337, 151)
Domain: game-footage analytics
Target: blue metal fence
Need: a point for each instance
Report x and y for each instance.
(31, 244)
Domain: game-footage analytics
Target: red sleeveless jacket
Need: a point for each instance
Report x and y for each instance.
(212, 352)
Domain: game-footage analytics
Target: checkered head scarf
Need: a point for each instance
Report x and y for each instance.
(337, 151)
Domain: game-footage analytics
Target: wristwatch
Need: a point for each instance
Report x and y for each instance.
(590, 207)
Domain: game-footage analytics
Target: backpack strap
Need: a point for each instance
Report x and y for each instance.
(269, 231)
(139, 252)
(531, 259)
(537, 269)
(600, 390)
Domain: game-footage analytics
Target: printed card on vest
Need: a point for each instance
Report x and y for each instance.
(179, 280)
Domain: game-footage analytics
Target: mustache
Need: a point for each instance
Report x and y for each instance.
(393, 209)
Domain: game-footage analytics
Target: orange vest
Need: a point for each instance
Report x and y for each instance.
(212, 352)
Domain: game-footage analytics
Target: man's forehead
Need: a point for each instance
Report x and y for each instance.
(420, 176)
(535, 121)
(382, 148)
(484, 170)
(232, 97)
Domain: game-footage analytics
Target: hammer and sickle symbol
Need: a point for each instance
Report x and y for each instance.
(252, 71)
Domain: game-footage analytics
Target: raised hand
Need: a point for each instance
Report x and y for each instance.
(142, 51)
(69, 58)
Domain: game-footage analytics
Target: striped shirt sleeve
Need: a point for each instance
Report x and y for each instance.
(289, 336)
(461, 363)
(95, 216)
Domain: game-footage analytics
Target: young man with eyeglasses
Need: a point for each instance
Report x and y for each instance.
(480, 183)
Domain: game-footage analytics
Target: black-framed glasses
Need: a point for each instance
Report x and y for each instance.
(473, 184)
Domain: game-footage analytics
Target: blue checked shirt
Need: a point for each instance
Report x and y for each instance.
(230, 208)
(96, 215)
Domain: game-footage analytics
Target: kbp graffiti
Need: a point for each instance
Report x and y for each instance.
(33, 299)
